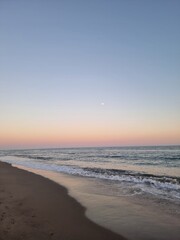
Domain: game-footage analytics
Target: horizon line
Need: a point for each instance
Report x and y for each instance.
(123, 146)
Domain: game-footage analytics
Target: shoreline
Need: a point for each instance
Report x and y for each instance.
(133, 217)
(33, 207)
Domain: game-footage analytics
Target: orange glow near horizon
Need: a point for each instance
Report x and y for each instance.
(85, 135)
(89, 130)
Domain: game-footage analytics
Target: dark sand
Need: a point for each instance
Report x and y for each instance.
(33, 207)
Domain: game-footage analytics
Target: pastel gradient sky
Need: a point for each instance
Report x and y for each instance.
(89, 73)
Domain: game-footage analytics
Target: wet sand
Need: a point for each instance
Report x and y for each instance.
(134, 217)
(33, 207)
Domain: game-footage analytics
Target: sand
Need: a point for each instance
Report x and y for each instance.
(33, 207)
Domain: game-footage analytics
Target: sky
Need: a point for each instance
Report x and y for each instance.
(89, 73)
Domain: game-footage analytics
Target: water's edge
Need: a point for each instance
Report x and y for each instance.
(115, 213)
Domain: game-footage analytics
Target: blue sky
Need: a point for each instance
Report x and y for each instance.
(59, 60)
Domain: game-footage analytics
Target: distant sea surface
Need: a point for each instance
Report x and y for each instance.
(134, 170)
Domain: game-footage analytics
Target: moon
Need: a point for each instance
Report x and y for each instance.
(102, 104)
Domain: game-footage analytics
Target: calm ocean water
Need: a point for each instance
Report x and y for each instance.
(135, 170)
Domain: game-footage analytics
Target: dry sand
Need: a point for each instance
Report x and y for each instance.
(33, 207)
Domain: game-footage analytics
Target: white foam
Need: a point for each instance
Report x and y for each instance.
(153, 186)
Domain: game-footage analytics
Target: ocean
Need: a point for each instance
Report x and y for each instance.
(142, 175)
(141, 170)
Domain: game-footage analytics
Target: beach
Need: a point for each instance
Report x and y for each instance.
(132, 191)
(33, 207)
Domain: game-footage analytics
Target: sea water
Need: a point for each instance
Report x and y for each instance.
(131, 190)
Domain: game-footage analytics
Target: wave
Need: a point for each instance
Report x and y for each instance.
(170, 161)
(166, 186)
(33, 157)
